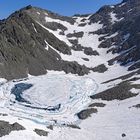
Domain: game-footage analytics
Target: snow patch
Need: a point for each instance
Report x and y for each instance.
(38, 13)
(122, 4)
(34, 27)
(135, 91)
(114, 17)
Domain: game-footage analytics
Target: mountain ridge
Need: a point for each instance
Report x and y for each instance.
(117, 35)
(70, 78)
(16, 31)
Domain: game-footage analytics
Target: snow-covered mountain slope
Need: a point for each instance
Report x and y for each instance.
(89, 65)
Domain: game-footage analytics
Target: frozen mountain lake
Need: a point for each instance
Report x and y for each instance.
(48, 99)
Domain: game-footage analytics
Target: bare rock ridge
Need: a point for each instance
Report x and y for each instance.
(22, 50)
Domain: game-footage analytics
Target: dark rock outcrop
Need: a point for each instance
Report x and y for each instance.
(6, 128)
(137, 106)
(97, 105)
(75, 68)
(76, 34)
(84, 114)
(101, 68)
(41, 132)
(89, 51)
(119, 92)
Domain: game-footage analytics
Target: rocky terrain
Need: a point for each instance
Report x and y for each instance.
(70, 78)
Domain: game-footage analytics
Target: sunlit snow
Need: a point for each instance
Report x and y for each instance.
(48, 99)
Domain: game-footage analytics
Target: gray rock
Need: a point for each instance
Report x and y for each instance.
(41, 132)
(77, 47)
(89, 51)
(75, 68)
(86, 59)
(54, 26)
(119, 92)
(97, 105)
(82, 24)
(73, 41)
(101, 68)
(50, 127)
(84, 114)
(123, 135)
(73, 126)
(6, 128)
(16, 127)
(3, 114)
(76, 34)
(137, 106)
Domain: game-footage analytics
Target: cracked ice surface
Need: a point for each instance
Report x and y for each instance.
(48, 99)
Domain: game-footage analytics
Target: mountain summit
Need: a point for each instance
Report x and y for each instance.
(24, 42)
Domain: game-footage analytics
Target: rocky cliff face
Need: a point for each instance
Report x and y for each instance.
(22, 47)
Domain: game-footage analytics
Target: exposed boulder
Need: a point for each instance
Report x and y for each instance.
(76, 34)
(41, 132)
(89, 51)
(6, 128)
(84, 114)
(101, 68)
